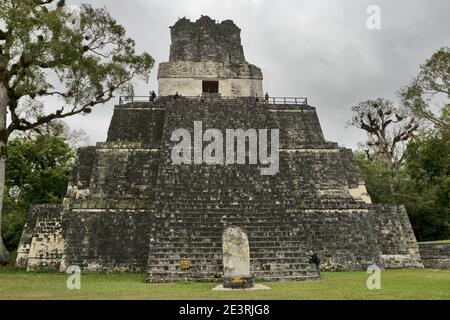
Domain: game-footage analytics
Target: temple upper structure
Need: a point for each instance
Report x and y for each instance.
(207, 57)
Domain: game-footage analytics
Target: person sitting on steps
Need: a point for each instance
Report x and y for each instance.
(314, 259)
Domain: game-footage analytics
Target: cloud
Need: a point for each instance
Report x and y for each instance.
(321, 49)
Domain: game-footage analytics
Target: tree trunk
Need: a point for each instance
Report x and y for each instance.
(391, 181)
(4, 255)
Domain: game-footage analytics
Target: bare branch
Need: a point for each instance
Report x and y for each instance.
(24, 125)
(53, 93)
(43, 2)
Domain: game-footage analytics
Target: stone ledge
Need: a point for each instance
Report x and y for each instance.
(256, 286)
(435, 255)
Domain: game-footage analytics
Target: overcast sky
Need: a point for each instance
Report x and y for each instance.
(321, 49)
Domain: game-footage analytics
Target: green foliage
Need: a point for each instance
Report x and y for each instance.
(14, 217)
(428, 157)
(422, 184)
(428, 165)
(37, 172)
(421, 180)
(378, 177)
(431, 87)
(80, 56)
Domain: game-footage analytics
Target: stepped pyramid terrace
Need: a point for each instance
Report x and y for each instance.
(130, 208)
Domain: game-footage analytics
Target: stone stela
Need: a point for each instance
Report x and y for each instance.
(236, 259)
(129, 208)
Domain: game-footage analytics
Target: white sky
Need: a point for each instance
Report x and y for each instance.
(320, 49)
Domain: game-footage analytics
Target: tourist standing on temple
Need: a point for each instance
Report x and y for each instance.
(152, 96)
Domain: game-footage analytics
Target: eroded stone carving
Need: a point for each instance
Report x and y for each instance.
(236, 259)
(205, 50)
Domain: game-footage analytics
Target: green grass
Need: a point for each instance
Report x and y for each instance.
(395, 284)
(436, 242)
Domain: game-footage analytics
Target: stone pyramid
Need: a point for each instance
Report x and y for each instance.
(130, 208)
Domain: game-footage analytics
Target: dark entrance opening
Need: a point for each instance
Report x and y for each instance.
(210, 86)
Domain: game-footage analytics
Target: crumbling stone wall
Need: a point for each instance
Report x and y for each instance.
(307, 205)
(128, 208)
(207, 50)
(106, 239)
(137, 123)
(106, 223)
(206, 40)
(435, 255)
(42, 243)
(397, 243)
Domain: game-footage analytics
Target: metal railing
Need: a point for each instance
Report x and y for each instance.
(270, 100)
(288, 100)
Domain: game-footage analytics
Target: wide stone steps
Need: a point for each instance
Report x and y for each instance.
(192, 222)
(198, 260)
(205, 276)
(172, 205)
(217, 254)
(274, 254)
(194, 245)
(188, 239)
(161, 249)
(214, 226)
(216, 266)
(206, 228)
(189, 221)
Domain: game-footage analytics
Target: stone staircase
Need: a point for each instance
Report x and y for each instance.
(276, 251)
(194, 203)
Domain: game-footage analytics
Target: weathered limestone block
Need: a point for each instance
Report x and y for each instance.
(236, 259)
(395, 237)
(435, 255)
(41, 244)
(206, 40)
(207, 50)
(47, 246)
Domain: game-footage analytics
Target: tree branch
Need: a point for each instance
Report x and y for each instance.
(43, 2)
(24, 125)
(53, 93)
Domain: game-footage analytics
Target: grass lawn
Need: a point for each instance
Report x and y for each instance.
(436, 242)
(395, 284)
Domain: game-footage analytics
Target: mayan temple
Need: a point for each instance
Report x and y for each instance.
(130, 208)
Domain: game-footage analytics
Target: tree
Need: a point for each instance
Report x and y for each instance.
(431, 88)
(46, 50)
(404, 153)
(388, 130)
(422, 183)
(33, 110)
(37, 171)
(377, 175)
(428, 165)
